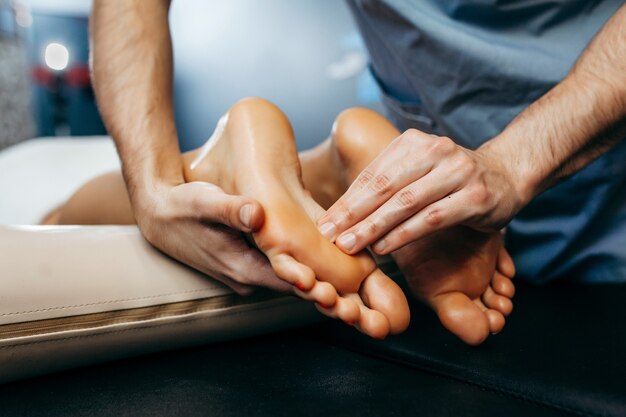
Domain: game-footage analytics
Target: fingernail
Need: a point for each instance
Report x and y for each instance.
(379, 246)
(347, 242)
(245, 214)
(327, 230)
(349, 323)
(300, 286)
(322, 305)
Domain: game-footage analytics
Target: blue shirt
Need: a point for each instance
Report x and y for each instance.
(465, 69)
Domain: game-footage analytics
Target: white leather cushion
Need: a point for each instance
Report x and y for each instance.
(38, 175)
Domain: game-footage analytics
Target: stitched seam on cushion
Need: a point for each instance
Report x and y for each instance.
(17, 313)
(145, 327)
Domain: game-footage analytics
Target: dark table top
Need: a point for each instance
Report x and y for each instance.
(563, 352)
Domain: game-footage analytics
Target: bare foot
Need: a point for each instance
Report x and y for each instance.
(252, 153)
(462, 274)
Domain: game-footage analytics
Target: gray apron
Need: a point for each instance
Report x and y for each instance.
(465, 69)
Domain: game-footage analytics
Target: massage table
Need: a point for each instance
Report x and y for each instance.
(140, 334)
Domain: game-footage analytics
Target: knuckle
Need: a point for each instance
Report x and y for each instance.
(464, 165)
(381, 185)
(365, 177)
(406, 198)
(224, 212)
(347, 214)
(400, 234)
(196, 204)
(371, 227)
(434, 217)
(479, 196)
(443, 145)
(411, 134)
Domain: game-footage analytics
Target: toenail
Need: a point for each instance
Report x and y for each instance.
(328, 230)
(347, 242)
(300, 286)
(322, 305)
(245, 214)
(349, 323)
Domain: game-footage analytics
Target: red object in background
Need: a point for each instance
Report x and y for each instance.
(76, 76)
(43, 76)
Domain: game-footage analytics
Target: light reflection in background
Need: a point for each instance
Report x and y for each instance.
(56, 56)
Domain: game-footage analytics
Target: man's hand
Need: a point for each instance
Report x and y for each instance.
(201, 226)
(420, 184)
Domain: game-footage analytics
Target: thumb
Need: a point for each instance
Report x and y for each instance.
(210, 203)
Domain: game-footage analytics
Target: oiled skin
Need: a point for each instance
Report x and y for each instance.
(265, 172)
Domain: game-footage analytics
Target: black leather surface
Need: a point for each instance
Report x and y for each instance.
(292, 374)
(564, 347)
(562, 353)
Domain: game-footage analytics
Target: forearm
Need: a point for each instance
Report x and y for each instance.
(132, 73)
(574, 123)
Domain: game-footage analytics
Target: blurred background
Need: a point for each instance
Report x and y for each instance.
(306, 56)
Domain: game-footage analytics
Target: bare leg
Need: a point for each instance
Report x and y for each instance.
(453, 271)
(102, 200)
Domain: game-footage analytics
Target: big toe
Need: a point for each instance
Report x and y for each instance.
(381, 293)
(371, 322)
(462, 317)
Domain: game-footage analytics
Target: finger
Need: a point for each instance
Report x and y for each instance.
(412, 198)
(239, 288)
(382, 178)
(439, 215)
(209, 203)
(228, 252)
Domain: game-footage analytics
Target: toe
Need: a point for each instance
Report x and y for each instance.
(505, 263)
(496, 321)
(381, 293)
(322, 293)
(503, 285)
(344, 309)
(373, 323)
(292, 271)
(497, 302)
(461, 316)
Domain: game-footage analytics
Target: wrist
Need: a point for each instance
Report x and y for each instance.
(522, 177)
(148, 171)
